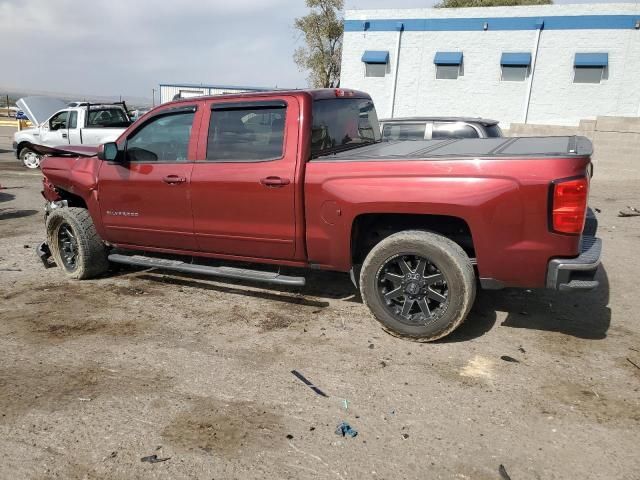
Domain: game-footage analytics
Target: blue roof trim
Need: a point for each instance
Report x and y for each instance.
(514, 59)
(591, 60)
(228, 87)
(448, 58)
(566, 22)
(375, 56)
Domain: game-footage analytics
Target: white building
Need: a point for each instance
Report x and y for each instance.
(173, 91)
(547, 64)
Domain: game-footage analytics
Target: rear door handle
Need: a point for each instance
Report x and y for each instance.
(275, 182)
(174, 179)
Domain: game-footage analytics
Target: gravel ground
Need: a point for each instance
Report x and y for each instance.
(96, 375)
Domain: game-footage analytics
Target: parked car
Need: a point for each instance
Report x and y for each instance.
(56, 124)
(427, 128)
(301, 179)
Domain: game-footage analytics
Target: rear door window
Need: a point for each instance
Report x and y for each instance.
(403, 131)
(246, 132)
(453, 130)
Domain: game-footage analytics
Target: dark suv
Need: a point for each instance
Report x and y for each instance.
(428, 128)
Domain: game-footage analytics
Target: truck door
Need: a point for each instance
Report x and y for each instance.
(74, 132)
(243, 189)
(55, 131)
(144, 197)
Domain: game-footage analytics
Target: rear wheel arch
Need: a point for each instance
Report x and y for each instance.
(369, 229)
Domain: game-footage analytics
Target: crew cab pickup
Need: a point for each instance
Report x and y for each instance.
(301, 179)
(82, 124)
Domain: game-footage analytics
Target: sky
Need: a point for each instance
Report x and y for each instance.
(128, 47)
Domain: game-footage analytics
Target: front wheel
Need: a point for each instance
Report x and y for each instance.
(29, 158)
(418, 285)
(75, 244)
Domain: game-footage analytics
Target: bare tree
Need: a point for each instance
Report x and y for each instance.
(489, 3)
(322, 29)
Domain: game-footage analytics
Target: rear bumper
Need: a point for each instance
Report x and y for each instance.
(566, 274)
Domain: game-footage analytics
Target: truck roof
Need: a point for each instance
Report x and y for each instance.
(315, 94)
(569, 146)
(487, 122)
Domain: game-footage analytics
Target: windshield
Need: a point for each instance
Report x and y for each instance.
(343, 123)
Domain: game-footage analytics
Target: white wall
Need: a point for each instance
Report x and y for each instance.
(479, 92)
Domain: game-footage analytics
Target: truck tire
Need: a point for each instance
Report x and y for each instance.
(29, 158)
(75, 244)
(419, 285)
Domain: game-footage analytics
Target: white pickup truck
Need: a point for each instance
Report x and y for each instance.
(57, 123)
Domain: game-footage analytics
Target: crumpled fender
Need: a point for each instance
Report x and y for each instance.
(64, 150)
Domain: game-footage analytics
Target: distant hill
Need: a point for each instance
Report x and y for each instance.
(17, 93)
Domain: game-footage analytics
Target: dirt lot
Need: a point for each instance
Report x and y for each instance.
(95, 375)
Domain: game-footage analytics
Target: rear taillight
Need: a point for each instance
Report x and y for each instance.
(569, 205)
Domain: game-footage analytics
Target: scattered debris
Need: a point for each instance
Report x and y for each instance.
(10, 269)
(503, 473)
(522, 350)
(597, 210)
(311, 429)
(154, 459)
(633, 363)
(383, 363)
(405, 436)
(82, 399)
(345, 404)
(303, 379)
(25, 246)
(631, 212)
(343, 429)
(371, 345)
(507, 358)
(290, 437)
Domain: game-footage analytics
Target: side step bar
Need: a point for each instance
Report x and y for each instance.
(224, 272)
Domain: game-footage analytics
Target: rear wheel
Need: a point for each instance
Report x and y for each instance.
(29, 158)
(418, 285)
(75, 244)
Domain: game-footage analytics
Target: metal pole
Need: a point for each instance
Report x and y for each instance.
(533, 70)
(400, 28)
(8, 111)
(153, 97)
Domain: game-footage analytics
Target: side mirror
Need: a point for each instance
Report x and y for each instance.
(108, 152)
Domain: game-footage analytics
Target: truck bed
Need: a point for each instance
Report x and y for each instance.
(532, 147)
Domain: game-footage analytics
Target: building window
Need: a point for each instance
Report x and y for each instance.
(515, 66)
(448, 65)
(376, 63)
(590, 67)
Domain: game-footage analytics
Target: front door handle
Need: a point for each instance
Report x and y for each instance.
(275, 182)
(174, 179)
(64, 135)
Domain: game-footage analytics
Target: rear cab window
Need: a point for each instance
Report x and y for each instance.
(341, 124)
(493, 131)
(107, 117)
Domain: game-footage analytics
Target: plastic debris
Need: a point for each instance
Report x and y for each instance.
(503, 473)
(154, 459)
(630, 212)
(304, 380)
(633, 363)
(344, 429)
(507, 358)
(345, 404)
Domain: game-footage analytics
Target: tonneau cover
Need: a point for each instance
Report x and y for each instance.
(470, 147)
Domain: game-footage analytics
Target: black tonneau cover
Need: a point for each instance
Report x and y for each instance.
(470, 147)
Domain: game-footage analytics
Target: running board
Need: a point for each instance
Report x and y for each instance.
(224, 272)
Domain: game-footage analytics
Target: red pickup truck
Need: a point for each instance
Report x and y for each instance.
(301, 179)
